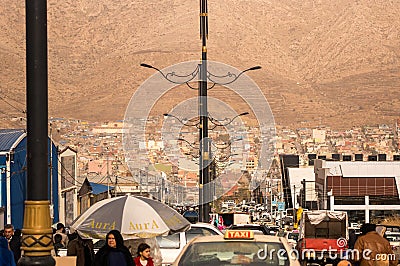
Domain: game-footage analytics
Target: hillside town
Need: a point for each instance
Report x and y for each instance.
(311, 170)
(100, 159)
(215, 174)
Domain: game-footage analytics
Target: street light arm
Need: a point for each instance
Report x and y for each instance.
(191, 76)
(224, 145)
(171, 75)
(191, 146)
(211, 77)
(188, 143)
(197, 124)
(218, 123)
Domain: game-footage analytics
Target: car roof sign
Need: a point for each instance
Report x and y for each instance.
(239, 234)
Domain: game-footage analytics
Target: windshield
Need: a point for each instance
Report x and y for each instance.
(235, 253)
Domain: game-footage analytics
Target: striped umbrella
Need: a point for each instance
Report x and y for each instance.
(134, 217)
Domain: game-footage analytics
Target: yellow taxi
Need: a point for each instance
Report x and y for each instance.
(237, 247)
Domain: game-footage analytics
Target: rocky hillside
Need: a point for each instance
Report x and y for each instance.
(335, 63)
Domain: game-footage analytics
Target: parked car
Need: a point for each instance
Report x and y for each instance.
(273, 229)
(292, 237)
(172, 245)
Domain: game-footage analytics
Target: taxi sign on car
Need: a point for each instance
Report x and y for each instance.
(239, 234)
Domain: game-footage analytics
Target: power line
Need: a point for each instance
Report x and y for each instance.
(16, 108)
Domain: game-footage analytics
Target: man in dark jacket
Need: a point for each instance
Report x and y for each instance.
(14, 241)
(82, 249)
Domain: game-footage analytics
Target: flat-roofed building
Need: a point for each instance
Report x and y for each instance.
(297, 176)
(367, 190)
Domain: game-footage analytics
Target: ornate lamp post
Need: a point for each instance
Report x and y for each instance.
(205, 78)
(37, 233)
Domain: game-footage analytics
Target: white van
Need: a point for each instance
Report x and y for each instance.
(172, 245)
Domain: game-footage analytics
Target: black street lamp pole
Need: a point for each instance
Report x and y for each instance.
(37, 233)
(204, 167)
(205, 77)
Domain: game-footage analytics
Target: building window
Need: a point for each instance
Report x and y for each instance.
(69, 206)
(357, 216)
(67, 171)
(384, 200)
(349, 200)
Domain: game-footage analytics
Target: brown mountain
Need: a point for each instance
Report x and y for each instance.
(324, 62)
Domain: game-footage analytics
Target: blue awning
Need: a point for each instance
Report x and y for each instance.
(99, 188)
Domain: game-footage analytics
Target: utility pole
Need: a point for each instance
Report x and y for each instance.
(303, 203)
(108, 178)
(140, 182)
(162, 190)
(270, 194)
(201, 71)
(294, 197)
(266, 195)
(116, 184)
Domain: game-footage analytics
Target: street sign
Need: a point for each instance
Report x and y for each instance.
(281, 206)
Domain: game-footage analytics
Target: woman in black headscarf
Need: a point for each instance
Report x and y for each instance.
(113, 253)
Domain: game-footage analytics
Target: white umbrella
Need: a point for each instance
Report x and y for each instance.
(134, 217)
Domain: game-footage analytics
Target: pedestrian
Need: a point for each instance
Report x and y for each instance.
(14, 241)
(82, 249)
(61, 231)
(373, 249)
(114, 252)
(6, 255)
(57, 243)
(143, 256)
(352, 238)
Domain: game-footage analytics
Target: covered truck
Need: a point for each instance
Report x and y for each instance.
(323, 236)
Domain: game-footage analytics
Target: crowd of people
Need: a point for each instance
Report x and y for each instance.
(115, 253)
(112, 253)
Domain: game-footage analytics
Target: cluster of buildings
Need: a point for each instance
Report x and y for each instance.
(367, 190)
(345, 144)
(355, 170)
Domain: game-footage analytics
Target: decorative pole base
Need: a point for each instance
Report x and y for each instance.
(39, 261)
(37, 240)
